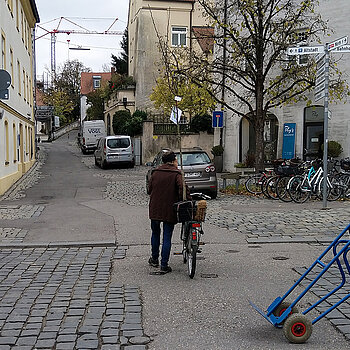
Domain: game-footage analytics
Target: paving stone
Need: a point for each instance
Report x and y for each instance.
(110, 340)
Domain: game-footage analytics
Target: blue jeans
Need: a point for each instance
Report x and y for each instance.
(168, 229)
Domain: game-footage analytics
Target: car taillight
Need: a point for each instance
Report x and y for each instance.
(210, 168)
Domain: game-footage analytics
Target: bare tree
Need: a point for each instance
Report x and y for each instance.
(249, 62)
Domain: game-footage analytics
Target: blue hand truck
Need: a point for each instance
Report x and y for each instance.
(297, 327)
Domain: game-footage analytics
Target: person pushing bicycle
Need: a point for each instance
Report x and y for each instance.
(165, 188)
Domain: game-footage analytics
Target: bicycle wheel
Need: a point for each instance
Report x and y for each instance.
(253, 184)
(334, 189)
(281, 189)
(299, 191)
(271, 187)
(191, 261)
(264, 186)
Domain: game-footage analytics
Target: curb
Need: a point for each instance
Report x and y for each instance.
(59, 245)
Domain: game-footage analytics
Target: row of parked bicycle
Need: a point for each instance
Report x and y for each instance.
(294, 180)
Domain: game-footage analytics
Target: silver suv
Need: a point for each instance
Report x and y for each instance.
(112, 150)
(199, 170)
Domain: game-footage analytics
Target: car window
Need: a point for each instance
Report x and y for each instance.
(196, 158)
(118, 143)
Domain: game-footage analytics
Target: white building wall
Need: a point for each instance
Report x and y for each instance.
(18, 110)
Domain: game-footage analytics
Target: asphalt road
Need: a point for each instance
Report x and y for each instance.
(75, 206)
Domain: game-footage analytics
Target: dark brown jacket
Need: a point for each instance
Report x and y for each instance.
(165, 189)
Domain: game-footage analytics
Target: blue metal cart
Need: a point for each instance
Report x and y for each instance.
(297, 327)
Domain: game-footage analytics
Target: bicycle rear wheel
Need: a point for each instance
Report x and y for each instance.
(253, 184)
(334, 189)
(191, 261)
(281, 189)
(271, 186)
(299, 191)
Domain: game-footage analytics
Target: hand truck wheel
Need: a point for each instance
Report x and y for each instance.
(297, 328)
(282, 307)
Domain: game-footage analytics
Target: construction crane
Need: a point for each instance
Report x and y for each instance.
(82, 30)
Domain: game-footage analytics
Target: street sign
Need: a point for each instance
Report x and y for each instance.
(341, 49)
(320, 87)
(321, 62)
(305, 50)
(5, 79)
(337, 43)
(321, 94)
(44, 113)
(321, 71)
(319, 80)
(218, 119)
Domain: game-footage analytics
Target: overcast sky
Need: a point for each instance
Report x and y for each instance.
(89, 14)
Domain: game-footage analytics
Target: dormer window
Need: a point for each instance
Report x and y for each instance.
(97, 81)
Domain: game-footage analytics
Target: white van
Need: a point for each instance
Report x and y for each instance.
(113, 150)
(91, 132)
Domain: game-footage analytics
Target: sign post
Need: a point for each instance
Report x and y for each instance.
(322, 89)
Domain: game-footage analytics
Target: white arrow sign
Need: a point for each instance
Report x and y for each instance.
(319, 95)
(340, 42)
(305, 50)
(341, 49)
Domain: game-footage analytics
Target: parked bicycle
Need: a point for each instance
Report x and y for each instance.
(192, 215)
(254, 183)
(302, 187)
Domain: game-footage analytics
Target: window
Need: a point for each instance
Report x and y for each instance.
(3, 51)
(14, 142)
(11, 67)
(19, 77)
(24, 85)
(97, 83)
(10, 5)
(17, 15)
(178, 36)
(22, 25)
(7, 148)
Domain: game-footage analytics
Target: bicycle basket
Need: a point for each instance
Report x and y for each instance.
(185, 210)
(287, 170)
(201, 210)
(345, 164)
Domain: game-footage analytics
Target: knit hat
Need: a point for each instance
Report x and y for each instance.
(168, 157)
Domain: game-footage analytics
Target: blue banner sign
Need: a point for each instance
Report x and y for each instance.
(288, 148)
(218, 119)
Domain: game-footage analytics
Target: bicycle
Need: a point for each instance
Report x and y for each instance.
(254, 183)
(192, 215)
(301, 187)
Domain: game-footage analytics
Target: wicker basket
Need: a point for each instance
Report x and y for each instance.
(201, 210)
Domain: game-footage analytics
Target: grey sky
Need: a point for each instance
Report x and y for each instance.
(90, 14)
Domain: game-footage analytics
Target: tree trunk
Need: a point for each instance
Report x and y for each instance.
(259, 126)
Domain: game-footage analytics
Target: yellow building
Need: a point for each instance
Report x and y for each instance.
(17, 124)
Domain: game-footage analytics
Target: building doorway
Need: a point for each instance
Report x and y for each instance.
(247, 140)
(313, 132)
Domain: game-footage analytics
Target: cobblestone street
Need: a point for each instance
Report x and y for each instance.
(61, 295)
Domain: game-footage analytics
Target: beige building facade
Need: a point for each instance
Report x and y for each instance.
(17, 124)
(174, 21)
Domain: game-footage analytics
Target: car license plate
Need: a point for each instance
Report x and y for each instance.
(195, 174)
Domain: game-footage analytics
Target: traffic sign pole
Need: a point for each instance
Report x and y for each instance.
(325, 129)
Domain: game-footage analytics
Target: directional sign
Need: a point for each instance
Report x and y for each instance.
(320, 87)
(321, 61)
(337, 43)
(341, 49)
(319, 95)
(305, 50)
(319, 80)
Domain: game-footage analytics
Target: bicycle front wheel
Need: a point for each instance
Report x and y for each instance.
(191, 261)
(253, 184)
(299, 190)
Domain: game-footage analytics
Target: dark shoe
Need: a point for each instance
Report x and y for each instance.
(153, 262)
(165, 269)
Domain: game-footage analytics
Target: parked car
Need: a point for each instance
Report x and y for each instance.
(199, 170)
(91, 132)
(113, 150)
